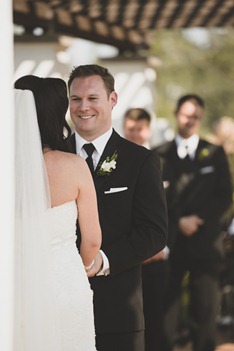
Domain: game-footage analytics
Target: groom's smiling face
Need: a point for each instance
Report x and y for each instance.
(91, 106)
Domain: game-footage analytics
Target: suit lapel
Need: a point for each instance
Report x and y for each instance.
(201, 148)
(110, 148)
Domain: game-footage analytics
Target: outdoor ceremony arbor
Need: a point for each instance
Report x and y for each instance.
(126, 24)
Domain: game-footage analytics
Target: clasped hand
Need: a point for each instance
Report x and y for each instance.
(189, 225)
(96, 266)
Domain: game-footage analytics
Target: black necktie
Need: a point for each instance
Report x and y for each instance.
(187, 151)
(89, 148)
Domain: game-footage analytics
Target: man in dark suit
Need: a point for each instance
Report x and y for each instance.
(132, 209)
(137, 128)
(199, 193)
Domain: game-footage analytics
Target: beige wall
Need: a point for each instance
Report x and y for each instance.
(40, 58)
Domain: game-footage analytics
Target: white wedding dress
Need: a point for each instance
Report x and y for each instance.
(53, 301)
(73, 293)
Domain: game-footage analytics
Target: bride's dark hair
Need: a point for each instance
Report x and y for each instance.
(51, 101)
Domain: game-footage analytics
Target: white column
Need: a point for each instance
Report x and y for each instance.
(6, 177)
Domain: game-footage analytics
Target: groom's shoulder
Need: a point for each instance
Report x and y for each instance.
(132, 147)
(136, 154)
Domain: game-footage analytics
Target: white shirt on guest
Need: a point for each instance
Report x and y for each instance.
(187, 146)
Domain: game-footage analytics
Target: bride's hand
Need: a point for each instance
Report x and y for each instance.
(96, 267)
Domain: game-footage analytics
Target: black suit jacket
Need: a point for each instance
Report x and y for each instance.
(201, 186)
(134, 227)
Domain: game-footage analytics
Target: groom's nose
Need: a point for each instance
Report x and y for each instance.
(84, 105)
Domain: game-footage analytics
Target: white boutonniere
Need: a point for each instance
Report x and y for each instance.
(107, 166)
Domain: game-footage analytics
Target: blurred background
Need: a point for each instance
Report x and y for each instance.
(157, 51)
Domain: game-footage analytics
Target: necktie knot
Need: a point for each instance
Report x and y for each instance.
(89, 148)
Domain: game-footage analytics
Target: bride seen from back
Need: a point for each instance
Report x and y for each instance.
(54, 188)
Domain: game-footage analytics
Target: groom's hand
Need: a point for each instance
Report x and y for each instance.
(96, 267)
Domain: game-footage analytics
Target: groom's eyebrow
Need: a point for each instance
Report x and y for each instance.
(74, 96)
(90, 95)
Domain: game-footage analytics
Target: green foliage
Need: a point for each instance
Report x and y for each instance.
(206, 69)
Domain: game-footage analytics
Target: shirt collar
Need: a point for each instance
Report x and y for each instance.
(191, 142)
(99, 142)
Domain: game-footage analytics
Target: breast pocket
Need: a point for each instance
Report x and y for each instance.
(207, 170)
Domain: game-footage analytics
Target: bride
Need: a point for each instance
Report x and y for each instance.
(54, 189)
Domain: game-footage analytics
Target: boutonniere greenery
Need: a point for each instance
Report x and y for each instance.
(107, 166)
(203, 154)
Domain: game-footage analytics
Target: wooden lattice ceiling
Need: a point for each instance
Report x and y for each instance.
(126, 24)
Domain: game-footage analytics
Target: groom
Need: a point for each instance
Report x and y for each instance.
(131, 204)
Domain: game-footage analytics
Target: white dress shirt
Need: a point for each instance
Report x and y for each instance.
(99, 145)
(187, 146)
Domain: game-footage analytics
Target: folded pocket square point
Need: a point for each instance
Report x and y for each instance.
(116, 190)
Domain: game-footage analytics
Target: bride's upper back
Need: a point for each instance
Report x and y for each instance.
(65, 173)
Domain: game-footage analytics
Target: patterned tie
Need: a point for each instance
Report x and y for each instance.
(89, 148)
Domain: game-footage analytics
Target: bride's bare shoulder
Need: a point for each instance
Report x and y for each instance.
(64, 160)
(67, 174)
(69, 157)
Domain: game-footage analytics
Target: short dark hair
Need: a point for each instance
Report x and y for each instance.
(189, 97)
(137, 114)
(83, 71)
(51, 101)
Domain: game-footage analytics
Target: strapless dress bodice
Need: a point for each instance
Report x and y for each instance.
(62, 222)
(74, 296)
(72, 309)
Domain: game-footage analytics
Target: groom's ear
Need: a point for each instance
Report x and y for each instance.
(113, 99)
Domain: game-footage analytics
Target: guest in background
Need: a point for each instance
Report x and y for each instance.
(201, 191)
(223, 134)
(136, 127)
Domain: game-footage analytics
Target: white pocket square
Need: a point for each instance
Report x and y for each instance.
(208, 169)
(116, 190)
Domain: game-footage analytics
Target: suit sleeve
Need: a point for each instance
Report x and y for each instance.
(148, 234)
(222, 196)
(207, 196)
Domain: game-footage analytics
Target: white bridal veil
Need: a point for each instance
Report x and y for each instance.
(35, 305)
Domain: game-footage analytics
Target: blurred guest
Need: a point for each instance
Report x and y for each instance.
(154, 272)
(200, 185)
(224, 135)
(136, 127)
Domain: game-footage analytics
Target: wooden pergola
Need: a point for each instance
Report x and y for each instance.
(126, 24)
